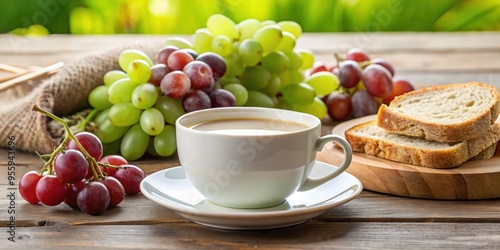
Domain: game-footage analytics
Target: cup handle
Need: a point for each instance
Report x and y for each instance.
(312, 183)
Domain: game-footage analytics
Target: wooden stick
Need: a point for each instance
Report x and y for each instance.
(12, 69)
(31, 76)
(15, 75)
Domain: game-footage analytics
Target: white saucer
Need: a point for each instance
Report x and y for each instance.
(171, 189)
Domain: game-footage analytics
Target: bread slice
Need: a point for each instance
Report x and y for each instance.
(485, 154)
(371, 139)
(445, 113)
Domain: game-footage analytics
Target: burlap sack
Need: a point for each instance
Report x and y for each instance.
(64, 93)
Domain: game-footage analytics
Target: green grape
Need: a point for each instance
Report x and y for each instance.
(152, 121)
(250, 52)
(259, 99)
(234, 65)
(124, 114)
(287, 43)
(107, 132)
(267, 23)
(219, 24)
(255, 77)
(317, 108)
(283, 104)
(165, 142)
(112, 76)
(292, 27)
(229, 79)
(299, 94)
(235, 46)
(151, 147)
(323, 82)
(103, 115)
(139, 71)
(144, 96)
(275, 62)
(307, 58)
(247, 28)
(121, 91)
(202, 40)
(111, 148)
(274, 86)
(178, 42)
(134, 143)
(239, 92)
(98, 98)
(285, 78)
(129, 55)
(296, 76)
(170, 108)
(269, 37)
(295, 59)
(222, 45)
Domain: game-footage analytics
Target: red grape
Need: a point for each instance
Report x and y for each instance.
(27, 186)
(201, 75)
(339, 105)
(72, 193)
(399, 87)
(377, 80)
(175, 84)
(331, 68)
(318, 67)
(71, 166)
(158, 71)
(196, 100)
(222, 98)
(165, 53)
(178, 59)
(349, 73)
(115, 189)
(93, 199)
(216, 63)
(115, 160)
(384, 64)
(335, 70)
(130, 176)
(363, 104)
(357, 54)
(50, 190)
(192, 52)
(90, 142)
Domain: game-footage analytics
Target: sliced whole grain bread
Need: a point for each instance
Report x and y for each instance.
(370, 139)
(445, 113)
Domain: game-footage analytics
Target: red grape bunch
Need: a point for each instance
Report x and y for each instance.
(192, 77)
(77, 174)
(365, 84)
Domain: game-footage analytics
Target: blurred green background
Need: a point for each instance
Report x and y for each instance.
(185, 16)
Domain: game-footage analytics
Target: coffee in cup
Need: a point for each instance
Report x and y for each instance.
(249, 157)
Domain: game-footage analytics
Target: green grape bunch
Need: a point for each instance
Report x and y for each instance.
(251, 63)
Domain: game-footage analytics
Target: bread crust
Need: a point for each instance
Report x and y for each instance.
(396, 122)
(444, 158)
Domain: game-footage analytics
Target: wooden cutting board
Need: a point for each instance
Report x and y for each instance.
(472, 180)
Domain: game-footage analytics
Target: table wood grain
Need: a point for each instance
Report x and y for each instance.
(371, 220)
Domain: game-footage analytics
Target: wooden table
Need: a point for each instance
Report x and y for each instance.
(371, 220)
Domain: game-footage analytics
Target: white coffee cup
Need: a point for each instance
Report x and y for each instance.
(249, 157)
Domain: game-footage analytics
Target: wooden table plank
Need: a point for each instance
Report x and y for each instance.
(367, 207)
(310, 235)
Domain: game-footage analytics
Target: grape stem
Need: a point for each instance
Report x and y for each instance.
(96, 171)
(81, 126)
